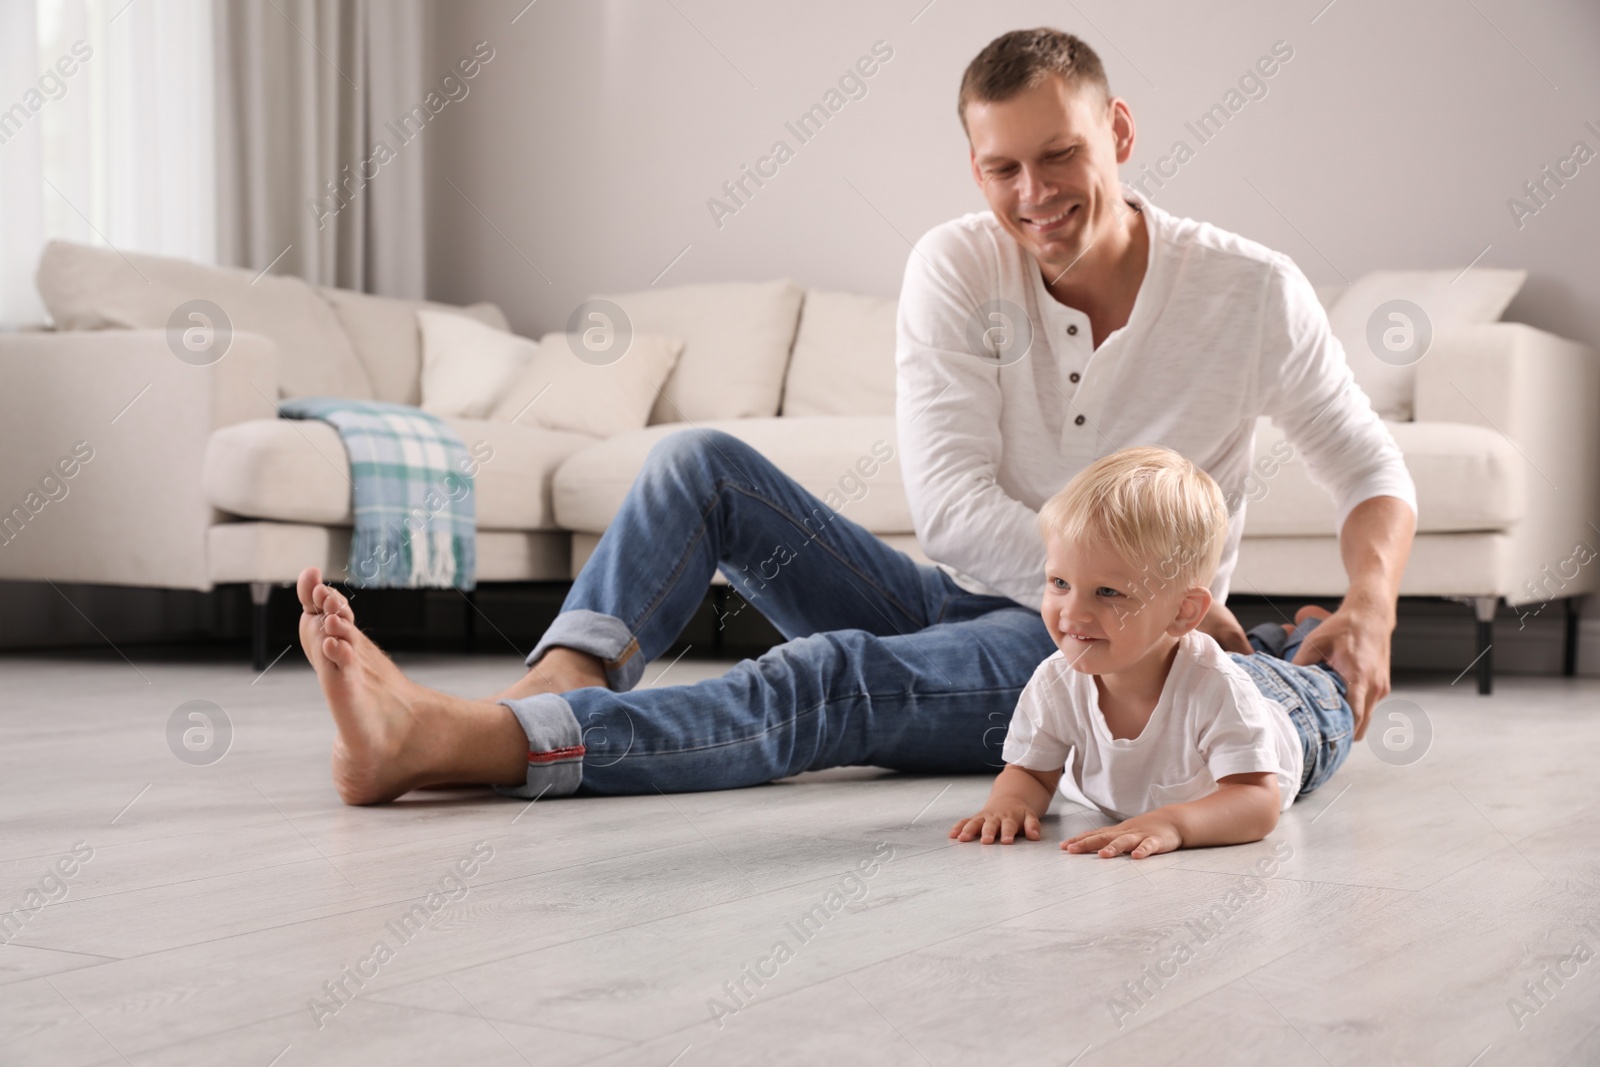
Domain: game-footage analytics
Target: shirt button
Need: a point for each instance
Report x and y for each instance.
(1078, 421)
(1072, 330)
(1073, 376)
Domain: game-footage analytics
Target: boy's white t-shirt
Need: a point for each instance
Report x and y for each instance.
(1211, 721)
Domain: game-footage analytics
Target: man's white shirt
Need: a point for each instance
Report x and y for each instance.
(1223, 330)
(1211, 721)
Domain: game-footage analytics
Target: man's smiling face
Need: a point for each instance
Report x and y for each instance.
(1046, 160)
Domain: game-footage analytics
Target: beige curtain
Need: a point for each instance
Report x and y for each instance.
(319, 171)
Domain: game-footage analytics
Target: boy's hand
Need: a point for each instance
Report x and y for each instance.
(1147, 835)
(1004, 819)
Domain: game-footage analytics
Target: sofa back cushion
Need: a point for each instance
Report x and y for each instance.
(737, 337)
(1385, 319)
(89, 288)
(467, 366)
(843, 361)
(560, 390)
(386, 339)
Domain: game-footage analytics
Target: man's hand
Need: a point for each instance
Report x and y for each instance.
(1221, 625)
(1146, 835)
(1355, 642)
(1004, 818)
(1374, 543)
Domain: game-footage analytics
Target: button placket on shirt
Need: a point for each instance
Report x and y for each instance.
(1074, 351)
(1077, 435)
(1071, 342)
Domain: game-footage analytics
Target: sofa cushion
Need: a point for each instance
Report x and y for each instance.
(88, 288)
(384, 333)
(851, 463)
(292, 470)
(1446, 298)
(562, 391)
(737, 338)
(843, 361)
(1468, 478)
(467, 366)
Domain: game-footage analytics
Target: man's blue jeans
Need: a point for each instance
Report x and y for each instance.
(886, 662)
(1313, 695)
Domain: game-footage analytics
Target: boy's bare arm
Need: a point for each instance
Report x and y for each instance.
(1244, 808)
(1018, 801)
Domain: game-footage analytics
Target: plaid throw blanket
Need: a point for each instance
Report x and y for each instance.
(412, 493)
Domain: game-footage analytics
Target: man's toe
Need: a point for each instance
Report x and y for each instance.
(330, 601)
(309, 582)
(340, 653)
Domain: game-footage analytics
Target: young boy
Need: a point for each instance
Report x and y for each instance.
(1184, 744)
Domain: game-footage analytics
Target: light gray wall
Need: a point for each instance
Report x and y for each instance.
(1393, 138)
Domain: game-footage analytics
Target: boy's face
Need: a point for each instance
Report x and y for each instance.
(1106, 614)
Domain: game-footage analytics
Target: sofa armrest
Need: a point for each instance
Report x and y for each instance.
(1542, 393)
(102, 434)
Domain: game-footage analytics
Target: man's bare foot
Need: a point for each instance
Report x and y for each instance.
(1310, 611)
(1307, 611)
(369, 697)
(395, 735)
(559, 670)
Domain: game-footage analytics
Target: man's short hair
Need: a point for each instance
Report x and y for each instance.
(1155, 510)
(1022, 59)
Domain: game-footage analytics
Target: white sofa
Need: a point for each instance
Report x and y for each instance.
(193, 483)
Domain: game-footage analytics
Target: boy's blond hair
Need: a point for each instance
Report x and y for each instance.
(1161, 514)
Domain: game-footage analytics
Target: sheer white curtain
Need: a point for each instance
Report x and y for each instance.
(107, 134)
(21, 199)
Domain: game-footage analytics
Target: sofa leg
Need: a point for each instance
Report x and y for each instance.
(1484, 608)
(260, 599)
(472, 618)
(1569, 647)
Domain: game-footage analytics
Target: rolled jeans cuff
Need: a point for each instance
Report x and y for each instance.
(1270, 638)
(555, 747)
(601, 636)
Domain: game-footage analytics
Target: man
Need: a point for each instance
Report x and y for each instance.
(1140, 328)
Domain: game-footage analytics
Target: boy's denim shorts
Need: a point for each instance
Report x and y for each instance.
(1313, 696)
